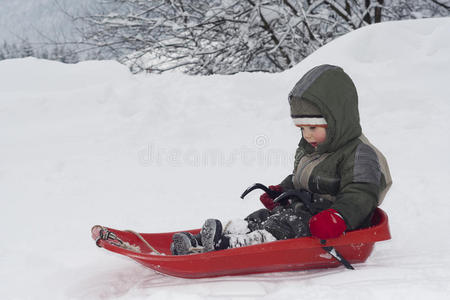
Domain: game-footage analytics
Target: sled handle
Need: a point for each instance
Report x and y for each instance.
(302, 195)
(272, 194)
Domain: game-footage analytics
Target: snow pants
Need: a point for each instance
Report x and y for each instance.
(285, 222)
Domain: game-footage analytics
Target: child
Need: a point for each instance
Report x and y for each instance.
(345, 176)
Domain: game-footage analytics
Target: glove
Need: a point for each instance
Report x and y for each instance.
(327, 224)
(267, 201)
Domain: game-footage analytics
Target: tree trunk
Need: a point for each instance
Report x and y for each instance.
(378, 11)
(367, 18)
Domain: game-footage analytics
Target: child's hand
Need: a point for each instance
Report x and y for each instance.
(327, 224)
(267, 201)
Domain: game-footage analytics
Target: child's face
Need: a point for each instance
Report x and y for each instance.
(314, 134)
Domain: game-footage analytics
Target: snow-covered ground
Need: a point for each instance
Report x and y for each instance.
(92, 144)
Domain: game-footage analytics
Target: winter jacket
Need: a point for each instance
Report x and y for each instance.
(346, 169)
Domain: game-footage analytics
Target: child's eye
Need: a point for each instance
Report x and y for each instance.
(312, 127)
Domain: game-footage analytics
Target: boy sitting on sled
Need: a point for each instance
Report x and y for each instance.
(342, 173)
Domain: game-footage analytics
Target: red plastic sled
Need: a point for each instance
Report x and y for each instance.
(287, 255)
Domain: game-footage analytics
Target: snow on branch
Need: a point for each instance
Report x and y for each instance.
(229, 36)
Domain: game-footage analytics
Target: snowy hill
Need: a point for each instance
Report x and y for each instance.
(90, 144)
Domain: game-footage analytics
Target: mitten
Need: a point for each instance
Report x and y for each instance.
(327, 224)
(267, 200)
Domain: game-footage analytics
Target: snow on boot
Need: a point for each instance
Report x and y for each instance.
(252, 238)
(211, 234)
(184, 243)
(236, 226)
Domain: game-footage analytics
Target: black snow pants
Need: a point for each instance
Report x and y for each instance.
(285, 222)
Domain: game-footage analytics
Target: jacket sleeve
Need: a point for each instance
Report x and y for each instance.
(360, 186)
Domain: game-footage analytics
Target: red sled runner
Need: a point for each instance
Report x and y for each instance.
(153, 251)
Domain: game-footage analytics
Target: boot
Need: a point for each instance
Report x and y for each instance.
(184, 243)
(211, 235)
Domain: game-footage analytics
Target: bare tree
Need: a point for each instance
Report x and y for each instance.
(229, 36)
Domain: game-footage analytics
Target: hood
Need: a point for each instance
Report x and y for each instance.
(332, 91)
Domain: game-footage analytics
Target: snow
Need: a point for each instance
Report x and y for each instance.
(90, 144)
